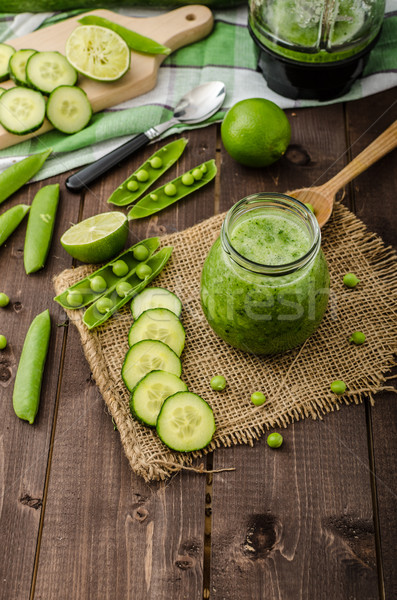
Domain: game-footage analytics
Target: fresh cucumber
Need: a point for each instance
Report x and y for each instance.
(185, 422)
(158, 324)
(68, 109)
(146, 356)
(155, 298)
(17, 66)
(150, 392)
(46, 71)
(6, 52)
(21, 110)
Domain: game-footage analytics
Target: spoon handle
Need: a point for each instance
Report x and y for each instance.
(383, 144)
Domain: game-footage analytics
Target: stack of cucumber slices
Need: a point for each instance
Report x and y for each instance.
(38, 75)
(152, 370)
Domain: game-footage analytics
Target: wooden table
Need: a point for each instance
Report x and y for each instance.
(316, 519)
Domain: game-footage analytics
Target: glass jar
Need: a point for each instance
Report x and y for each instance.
(266, 308)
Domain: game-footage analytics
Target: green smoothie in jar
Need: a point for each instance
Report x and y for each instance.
(265, 282)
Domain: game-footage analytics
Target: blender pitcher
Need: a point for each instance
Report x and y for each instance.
(314, 48)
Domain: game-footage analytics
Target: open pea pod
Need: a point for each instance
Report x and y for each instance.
(173, 191)
(93, 317)
(83, 291)
(141, 179)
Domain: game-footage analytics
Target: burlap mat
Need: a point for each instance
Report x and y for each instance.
(295, 383)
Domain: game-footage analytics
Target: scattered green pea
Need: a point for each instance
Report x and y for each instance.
(218, 383)
(4, 299)
(74, 298)
(357, 338)
(133, 185)
(203, 168)
(142, 175)
(170, 189)
(154, 197)
(310, 206)
(122, 288)
(103, 305)
(258, 398)
(275, 440)
(156, 162)
(98, 284)
(187, 179)
(120, 268)
(198, 174)
(350, 280)
(143, 271)
(140, 252)
(3, 342)
(338, 387)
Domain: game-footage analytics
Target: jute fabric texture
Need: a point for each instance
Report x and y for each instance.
(296, 384)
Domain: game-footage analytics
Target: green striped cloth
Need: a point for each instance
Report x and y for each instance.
(228, 54)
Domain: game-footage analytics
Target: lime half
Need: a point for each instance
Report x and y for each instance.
(98, 238)
(98, 53)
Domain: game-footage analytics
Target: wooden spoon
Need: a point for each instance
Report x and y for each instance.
(322, 197)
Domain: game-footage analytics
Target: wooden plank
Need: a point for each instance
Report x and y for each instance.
(121, 537)
(290, 523)
(24, 448)
(374, 195)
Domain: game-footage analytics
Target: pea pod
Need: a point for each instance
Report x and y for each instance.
(161, 160)
(83, 287)
(40, 227)
(27, 386)
(18, 174)
(134, 40)
(173, 191)
(10, 220)
(93, 317)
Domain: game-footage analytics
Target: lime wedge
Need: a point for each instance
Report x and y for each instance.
(98, 53)
(98, 238)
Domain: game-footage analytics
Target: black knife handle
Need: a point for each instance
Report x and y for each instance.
(80, 180)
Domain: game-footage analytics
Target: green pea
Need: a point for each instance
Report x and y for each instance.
(142, 175)
(203, 168)
(258, 398)
(74, 298)
(310, 206)
(338, 387)
(140, 252)
(4, 299)
(156, 162)
(20, 172)
(40, 228)
(122, 288)
(170, 189)
(350, 280)
(10, 220)
(187, 179)
(218, 383)
(103, 305)
(120, 268)
(3, 342)
(275, 440)
(154, 197)
(197, 174)
(133, 185)
(357, 338)
(98, 284)
(143, 271)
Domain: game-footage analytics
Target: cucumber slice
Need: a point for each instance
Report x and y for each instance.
(17, 66)
(68, 109)
(158, 324)
(21, 110)
(146, 356)
(185, 422)
(155, 298)
(46, 71)
(150, 392)
(6, 52)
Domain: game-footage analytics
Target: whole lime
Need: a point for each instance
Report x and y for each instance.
(255, 132)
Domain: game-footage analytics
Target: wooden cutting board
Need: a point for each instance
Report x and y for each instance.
(174, 29)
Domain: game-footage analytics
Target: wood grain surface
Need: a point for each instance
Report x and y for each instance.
(315, 519)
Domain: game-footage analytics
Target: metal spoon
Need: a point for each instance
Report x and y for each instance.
(196, 106)
(322, 197)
